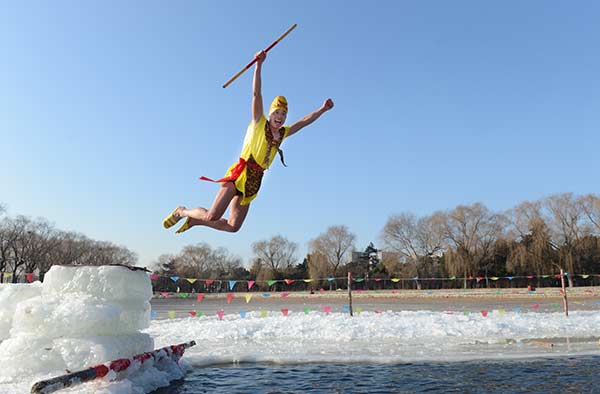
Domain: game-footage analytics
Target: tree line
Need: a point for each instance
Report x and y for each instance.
(34, 245)
(469, 241)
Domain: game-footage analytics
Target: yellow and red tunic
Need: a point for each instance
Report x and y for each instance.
(258, 153)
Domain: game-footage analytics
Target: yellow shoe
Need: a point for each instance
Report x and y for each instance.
(186, 226)
(170, 220)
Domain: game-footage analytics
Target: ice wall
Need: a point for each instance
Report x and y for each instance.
(79, 317)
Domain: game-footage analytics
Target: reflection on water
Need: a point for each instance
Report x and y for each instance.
(560, 375)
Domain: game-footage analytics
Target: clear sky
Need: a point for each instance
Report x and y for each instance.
(111, 110)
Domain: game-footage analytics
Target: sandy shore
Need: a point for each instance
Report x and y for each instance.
(543, 300)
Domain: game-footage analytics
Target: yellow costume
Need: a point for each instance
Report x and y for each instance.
(258, 152)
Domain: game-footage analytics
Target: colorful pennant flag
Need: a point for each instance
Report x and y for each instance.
(192, 313)
(243, 313)
(183, 295)
(395, 280)
(284, 295)
(284, 311)
(29, 277)
(327, 309)
(175, 278)
(191, 280)
(307, 310)
(250, 284)
(171, 314)
(200, 297)
(232, 284)
(271, 282)
(152, 314)
(229, 298)
(248, 298)
(165, 294)
(484, 312)
(220, 314)
(288, 281)
(153, 276)
(209, 282)
(307, 280)
(266, 295)
(263, 313)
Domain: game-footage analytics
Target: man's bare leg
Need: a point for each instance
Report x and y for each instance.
(237, 215)
(222, 199)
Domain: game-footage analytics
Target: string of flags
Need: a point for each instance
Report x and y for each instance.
(251, 283)
(326, 310)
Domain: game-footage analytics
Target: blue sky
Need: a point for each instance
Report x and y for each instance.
(110, 111)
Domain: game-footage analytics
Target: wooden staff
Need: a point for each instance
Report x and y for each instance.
(254, 60)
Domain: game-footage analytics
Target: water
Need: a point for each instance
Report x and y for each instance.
(551, 375)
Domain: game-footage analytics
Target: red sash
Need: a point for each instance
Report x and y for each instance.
(235, 172)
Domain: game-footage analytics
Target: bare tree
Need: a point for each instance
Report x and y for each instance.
(317, 268)
(195, 261)
(471, 231)
(591, 208)
(419, 241)
(566, 222)
(277, 253)
(334, 245)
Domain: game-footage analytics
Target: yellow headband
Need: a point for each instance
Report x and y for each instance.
(279, 102)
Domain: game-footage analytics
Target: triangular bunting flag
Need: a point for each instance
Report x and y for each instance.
(153, 277)
(248, 298)
(327, 309)
(250, 284)
(271, 282)
(209, 282)
(171, 314)
(232, 284)
(191, 280)
(220, 314)
(395, 280)
(307, 280)
(285, 312)
(175, 278)
(229, 298)
(200, 297)
(243, 313)
(288, 281)
(29, 277)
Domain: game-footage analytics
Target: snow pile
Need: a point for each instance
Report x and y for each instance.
(10, 296)
(79, 317)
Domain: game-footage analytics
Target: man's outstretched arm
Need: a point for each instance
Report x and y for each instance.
(308, 119)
